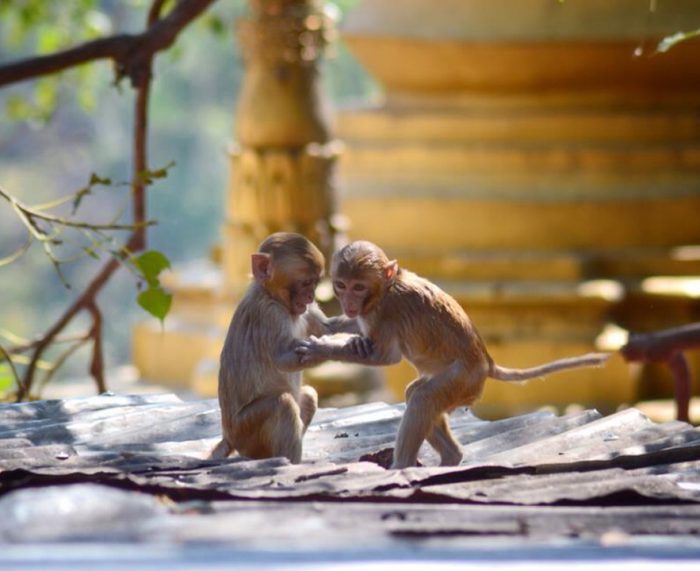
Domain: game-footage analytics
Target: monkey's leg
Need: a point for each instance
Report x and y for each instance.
(415, 426)
(308, 403)
(413, 385)
(444, 442)
(440, 437)
(269, 427)
(428, 399)
(221, 450)
(225, 447)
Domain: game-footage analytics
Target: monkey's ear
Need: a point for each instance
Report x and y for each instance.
(390, 270)
(261, 265)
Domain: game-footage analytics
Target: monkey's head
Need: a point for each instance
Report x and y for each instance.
(289, 267)
(361, 273)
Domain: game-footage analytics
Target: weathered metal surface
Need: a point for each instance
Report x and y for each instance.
(535, 477)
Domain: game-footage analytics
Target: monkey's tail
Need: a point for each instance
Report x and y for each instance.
(587, 360)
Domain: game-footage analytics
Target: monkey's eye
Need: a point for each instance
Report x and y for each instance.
(359, 288)
(308, 283)
(339, 286)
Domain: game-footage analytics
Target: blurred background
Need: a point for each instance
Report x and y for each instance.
(538, 159)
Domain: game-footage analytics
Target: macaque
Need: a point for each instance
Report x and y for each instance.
(405, 315)
(265, 410)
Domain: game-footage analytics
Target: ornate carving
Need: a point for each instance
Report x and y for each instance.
(288, 31)
(282, 166)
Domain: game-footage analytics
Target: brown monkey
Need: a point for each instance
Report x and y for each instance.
(264, 409)
(406, 315)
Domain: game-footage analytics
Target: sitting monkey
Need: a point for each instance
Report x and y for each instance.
(265, 410)
(407, 316)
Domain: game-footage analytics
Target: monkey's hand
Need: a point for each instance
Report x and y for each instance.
(312, 350)
(353, 348)
(360, 346)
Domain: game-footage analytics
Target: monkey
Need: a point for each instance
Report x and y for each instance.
(265, 410)
(405, 315)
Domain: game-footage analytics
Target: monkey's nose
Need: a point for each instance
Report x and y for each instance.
(350, 311)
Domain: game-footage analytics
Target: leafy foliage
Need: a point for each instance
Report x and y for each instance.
(47, 230)
(38, 27)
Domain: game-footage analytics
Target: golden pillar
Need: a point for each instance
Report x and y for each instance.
(282, 164)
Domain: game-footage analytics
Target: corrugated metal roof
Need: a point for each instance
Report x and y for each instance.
(532, 478)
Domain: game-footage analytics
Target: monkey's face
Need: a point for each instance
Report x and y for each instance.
(352, 294)
(301, 294)
(298, 287)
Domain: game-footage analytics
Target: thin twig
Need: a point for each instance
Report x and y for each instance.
(28, 216)
(18, 253)
(97, 360)
(58, 363)
(29, 345)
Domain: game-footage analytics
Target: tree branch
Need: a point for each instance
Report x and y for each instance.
(667, 346)
(132, 53)
(136, 241)
(661, 345)
(97, 361)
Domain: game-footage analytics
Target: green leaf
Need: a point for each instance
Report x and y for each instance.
(216, 25)
(95, 179)
(46, 96)
(49, 40)
(7, 379)
(151, 264)
(148, 176)
(156, 301)
(17, 107)
(160, 173)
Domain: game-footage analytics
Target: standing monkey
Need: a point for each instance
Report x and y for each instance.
(264, 409)
(405, 315)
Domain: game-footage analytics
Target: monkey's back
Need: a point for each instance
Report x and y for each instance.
(432, 328)
(260, 325)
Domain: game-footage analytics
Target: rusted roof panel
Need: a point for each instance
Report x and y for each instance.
(530, 477)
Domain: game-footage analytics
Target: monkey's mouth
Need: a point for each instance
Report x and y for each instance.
(352, 312)
(298, 307)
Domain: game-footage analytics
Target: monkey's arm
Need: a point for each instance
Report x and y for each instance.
(288, 358)
(350, 349)
(342, 324)
(295, 355)
(319, 324)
